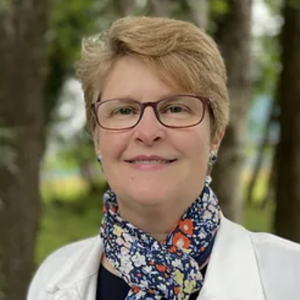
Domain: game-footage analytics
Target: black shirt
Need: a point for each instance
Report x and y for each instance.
(110, 286)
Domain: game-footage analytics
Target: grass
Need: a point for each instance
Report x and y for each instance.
(72, 213)
(61, 226)
(64, 189)
(258, 219)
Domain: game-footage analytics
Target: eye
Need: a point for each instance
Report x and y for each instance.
(175, 109)
(124, 111)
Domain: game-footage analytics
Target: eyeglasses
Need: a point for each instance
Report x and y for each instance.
(178, 111)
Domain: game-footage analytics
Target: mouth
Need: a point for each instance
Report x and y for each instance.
(151, 161)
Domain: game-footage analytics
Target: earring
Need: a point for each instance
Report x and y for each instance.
(213, 157)
(99, 159)
(208, 180)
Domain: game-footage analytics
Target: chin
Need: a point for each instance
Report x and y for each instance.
(149, 195)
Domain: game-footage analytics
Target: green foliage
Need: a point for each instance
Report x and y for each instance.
(70, 21)
(219, 7)
(275, 5)
(259, 219)
(294, 4)
(78, 151)
(267, 60)
(80, 154)
(61, 226)
(67, 220)
(5, 6)
(218, 11)
(268, 64)
(64, 190)
(181, 10)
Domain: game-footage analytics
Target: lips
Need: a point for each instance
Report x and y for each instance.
(148, 162)
(152, 159)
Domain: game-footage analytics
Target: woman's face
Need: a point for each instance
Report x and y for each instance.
(151, 183)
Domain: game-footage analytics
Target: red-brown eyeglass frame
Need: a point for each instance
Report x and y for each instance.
(204, 100)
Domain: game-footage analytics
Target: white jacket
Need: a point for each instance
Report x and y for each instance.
(243, 266)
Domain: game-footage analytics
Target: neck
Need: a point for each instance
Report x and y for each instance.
(154, 220)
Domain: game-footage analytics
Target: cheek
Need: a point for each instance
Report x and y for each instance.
(112, 144)
(200, 157)
(200, 151)
(199, 154)
(198, 142)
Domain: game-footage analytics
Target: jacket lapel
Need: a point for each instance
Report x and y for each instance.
(232, 273)
(78, 278)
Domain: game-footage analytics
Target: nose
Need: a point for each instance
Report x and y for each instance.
(149, 130)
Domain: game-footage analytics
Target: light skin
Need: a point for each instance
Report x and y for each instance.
(152, 199)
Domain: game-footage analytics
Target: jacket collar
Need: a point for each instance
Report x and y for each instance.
(77, 278)
(232, 273)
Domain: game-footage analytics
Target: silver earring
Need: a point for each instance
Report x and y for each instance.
(99, 159)
(213, 158)
(208, 180)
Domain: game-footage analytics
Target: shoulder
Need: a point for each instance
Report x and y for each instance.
(278, 261)
(261, 265)
(66, 254)
(270, 248)
(61, 265)
(262, 242)
(266, 240)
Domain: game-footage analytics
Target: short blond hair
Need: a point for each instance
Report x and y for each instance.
(181, 53)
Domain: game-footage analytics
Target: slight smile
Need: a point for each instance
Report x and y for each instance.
(152, 162)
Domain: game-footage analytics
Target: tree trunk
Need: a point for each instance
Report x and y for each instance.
(287, 216)
(160, 8)
(124, 8)
(22, 94)
(234, 39)
(199, 12)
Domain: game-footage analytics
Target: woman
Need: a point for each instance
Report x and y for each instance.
(157, 108)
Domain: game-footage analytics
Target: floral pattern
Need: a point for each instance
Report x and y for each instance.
(155, 270)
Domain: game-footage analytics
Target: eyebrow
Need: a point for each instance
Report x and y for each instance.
(127, 97)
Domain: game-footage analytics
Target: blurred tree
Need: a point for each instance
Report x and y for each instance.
(124, 8)
(27, 109)
(233, 34)
(23, 60)
(196, 11)
(199, 12)
(80, 152)
(160, 8)
(217, 10)
(7, 154)
(287, 216)
(266, 69)
(69, 22)
(262, 148)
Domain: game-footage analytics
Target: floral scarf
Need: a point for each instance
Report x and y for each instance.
(155, 270)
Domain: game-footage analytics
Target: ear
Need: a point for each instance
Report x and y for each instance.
(216, 141)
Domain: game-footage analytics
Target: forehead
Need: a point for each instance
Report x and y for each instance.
(131, 77)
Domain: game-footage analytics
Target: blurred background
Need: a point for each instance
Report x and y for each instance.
(50, 184)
